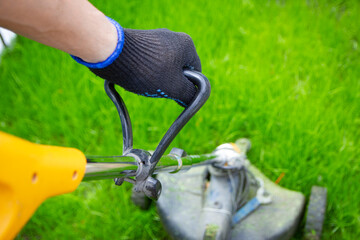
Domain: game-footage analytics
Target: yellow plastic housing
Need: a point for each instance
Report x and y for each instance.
(31, 173)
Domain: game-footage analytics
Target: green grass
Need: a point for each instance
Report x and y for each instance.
(285, 74)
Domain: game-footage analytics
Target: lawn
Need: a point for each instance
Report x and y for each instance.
(285, 74)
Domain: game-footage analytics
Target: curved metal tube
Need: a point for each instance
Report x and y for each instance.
(203, 93)
(123, 114)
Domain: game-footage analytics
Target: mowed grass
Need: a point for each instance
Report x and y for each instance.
(285, 74)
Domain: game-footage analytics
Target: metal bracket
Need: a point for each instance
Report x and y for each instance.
(178, 153)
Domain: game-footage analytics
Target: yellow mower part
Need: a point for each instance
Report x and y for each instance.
(29, 174)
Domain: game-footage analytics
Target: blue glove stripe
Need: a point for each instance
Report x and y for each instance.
(113, 56)
(146, 94)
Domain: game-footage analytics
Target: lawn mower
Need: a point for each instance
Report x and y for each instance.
(219, 195)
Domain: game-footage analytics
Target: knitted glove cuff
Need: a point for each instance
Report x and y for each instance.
(113, 56)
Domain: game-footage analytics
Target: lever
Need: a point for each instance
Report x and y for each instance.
(144, 182)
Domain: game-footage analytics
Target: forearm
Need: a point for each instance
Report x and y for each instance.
(73, 26)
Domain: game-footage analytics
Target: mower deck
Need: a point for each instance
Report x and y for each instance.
(181, 208)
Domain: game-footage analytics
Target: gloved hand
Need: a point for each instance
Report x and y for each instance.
(151, 64)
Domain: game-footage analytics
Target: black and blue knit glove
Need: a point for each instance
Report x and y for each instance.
(151, 63)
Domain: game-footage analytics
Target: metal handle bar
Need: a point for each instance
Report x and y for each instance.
(99, 168)
(146, 162)
(202, 94)
(123, 114)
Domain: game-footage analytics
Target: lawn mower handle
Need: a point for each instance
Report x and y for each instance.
(202, 94)
(101, 167)
(147, 162)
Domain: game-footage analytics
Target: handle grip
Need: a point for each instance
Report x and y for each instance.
(144, 182)
(202, 94)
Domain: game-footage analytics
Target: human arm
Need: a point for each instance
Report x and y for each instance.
(75, 27)
(146, 62)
